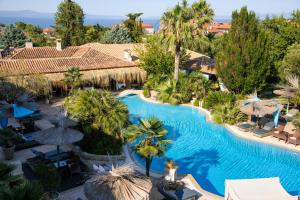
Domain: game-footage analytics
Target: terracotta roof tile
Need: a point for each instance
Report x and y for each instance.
(48, 52)
(49, 60)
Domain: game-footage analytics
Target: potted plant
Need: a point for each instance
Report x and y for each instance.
(7, 139)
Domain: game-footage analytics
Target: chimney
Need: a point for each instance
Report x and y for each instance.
(28, 44)
(58, 45)
(127, 55)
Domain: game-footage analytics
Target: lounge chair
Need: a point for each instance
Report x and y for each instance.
(249, 125)
(246, 126)
(280, 133)
(265, 131)
(295, 138)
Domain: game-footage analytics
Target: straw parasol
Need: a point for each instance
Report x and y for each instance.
(259, 108)
(289, 90)
(58, 136)
(119, 183)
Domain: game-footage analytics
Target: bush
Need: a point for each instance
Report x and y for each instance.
(48, 177)
(98, 109)
(26, 191)
(217, 98)
(196, 103)
(8, 138)
(227, 113)
(100, 144)
(5, 176)
(118, 35)
(296, 121)
(146, 92)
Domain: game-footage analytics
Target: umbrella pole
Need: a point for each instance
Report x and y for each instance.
(57, 149)
(287, 107)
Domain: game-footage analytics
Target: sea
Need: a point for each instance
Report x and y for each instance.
(105, 21)
(49, 22)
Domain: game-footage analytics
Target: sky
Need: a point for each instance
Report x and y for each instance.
(153, 8)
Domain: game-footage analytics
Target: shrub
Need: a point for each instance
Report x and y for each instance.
(118, 35)
(48, 177)
(26, 191)
(227, 113)
(8, 138)
(196, 103)
(146, 92)
(217, 98)
(100, 144)
(296, 121)
(98, 109)
(5, 176)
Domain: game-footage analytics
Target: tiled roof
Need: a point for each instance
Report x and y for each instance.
(115, 50)
(48, 52)
(147, 25)
(39, 60)
(91, 56)
(201, 62)
(48, 30)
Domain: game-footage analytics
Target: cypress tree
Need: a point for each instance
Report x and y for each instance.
(69, 23)
(243, 62)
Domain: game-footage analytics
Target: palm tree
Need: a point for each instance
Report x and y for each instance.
(199, 84)
(134, 26)
(72, 78)
(182, 23)
(28, 190)
(98, 109)
(168, 92)
(6, 180)
(150, 138)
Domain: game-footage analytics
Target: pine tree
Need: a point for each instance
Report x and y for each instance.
(69, 23)
(243, 61)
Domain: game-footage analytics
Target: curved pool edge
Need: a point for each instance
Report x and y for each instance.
(140, 168)
(231, 128)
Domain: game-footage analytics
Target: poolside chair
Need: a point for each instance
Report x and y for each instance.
(280, 133)
(265, 131)
(246, 126)
(249, 125)
(295, 138)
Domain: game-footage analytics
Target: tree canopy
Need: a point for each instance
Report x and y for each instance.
(12, 37)
(134, 26)
(182, 23)
(69, 23)
(150, 136)
(35, 33)
(156, 58)
(98, 109)
(118, 35)
(291, 62)
(243, 61)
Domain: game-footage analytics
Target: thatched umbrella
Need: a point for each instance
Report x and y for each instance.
(289, 90)
(64, 121)
(119, 183)
(57, 136)
(259, 108)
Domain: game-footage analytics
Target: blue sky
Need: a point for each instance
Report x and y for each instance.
(152, 7)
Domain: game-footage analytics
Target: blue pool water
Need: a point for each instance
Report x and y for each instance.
(211, 153)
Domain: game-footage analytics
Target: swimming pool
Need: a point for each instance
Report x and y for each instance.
(211, 153)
